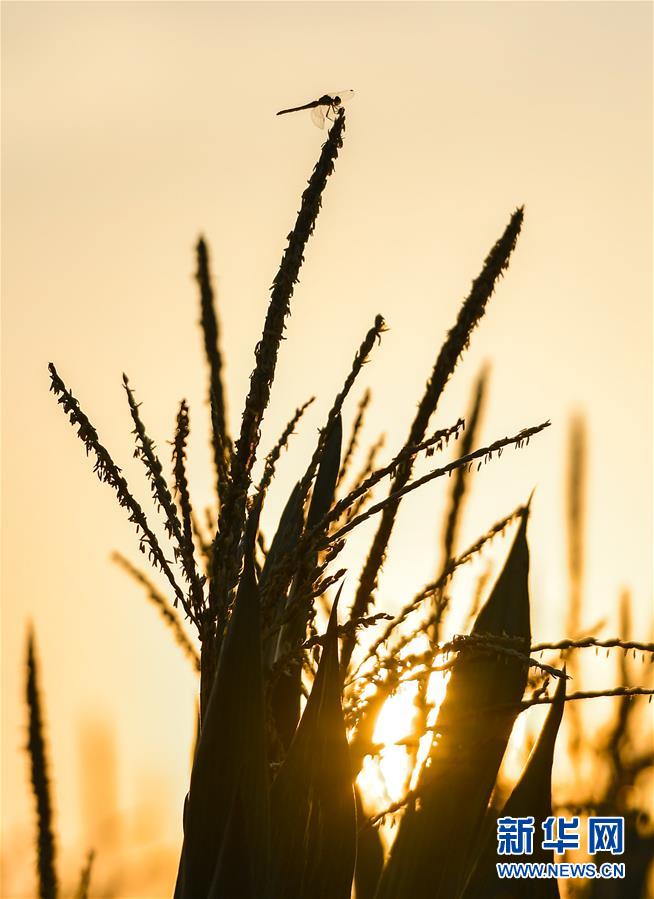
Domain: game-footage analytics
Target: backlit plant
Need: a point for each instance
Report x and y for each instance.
(288, 706)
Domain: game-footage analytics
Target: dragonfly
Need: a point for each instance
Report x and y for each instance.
(325, 107)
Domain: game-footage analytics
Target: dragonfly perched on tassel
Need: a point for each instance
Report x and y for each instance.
(325, 107)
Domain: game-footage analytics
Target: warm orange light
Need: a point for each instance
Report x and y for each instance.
(385, 778)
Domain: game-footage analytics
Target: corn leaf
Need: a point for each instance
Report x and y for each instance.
(330, 464)
(532, 796)
(287, 534)
(287, 689)
(226, 820)
(312, 799)
(432, 851)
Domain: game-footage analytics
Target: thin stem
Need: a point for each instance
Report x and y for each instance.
(108, 472)
(586, 642)
(485, 454)
(221, 442)
(227, 547)
(498, 528)
(354, 436)
(145, 451)
(185, 537)
(455, 344)
(46, 849)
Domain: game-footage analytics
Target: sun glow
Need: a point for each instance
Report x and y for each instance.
(386, 777)
(395, 723)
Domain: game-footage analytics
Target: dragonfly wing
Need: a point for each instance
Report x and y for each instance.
(344, 96)
(318, 116)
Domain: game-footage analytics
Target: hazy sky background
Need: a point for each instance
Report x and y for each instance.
(128, 129)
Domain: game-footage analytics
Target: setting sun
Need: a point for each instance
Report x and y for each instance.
(385, 778)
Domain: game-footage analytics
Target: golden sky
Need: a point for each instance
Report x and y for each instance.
(128, 129)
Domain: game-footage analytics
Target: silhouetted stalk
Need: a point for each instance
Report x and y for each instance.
(204, 543)
(273, 456)
(477, 644)
(360, 358)
(297, 654)
(221, 442)
(85, 878)
(354, 436)
(455, 344)
(364, 474)
(183, 540)
(410, 668)
(460, 481)
(298, 610)
(574, 697)
(431, 589)
(108, 472)
(263, 769)
(227, 549)
(348, 627)
(452, 524)
(485, 454)
(301, 573)
(436, 442)
(186, 510)
(585, 642)
(46, 851)
(145, 451)
(315, 537)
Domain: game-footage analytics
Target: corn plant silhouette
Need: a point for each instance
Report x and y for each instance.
(46, 849)
(286, 719)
